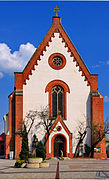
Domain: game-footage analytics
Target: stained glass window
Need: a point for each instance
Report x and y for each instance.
(57, 101)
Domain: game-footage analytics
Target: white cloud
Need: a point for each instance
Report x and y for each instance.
(1, 74)
(106, 99)
(96, 66)
(100, 63)
(16, 61)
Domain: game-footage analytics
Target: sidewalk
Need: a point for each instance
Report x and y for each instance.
(84, 169)
(7, 171)
(68, 169)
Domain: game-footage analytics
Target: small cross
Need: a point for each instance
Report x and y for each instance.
(59, 112)
(57, 10)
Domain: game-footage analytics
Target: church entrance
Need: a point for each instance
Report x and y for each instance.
(59, 144)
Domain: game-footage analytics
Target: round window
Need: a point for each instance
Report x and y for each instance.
(59, 128)
(57, 61)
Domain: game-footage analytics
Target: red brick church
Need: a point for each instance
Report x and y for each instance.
(56, 76)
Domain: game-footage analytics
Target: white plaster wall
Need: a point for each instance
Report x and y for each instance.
(78, 100)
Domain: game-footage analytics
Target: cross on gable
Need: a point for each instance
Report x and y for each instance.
(56, 10)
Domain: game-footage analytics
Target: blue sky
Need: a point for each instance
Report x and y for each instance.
(24, 24)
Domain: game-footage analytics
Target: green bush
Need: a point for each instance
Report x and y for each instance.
(40, 150)
(19, 162)
(24, 154)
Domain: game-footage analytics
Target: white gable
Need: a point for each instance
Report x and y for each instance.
(78, 100)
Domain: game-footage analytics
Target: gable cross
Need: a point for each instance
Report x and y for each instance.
(57, 10)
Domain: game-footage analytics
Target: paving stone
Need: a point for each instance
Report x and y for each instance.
(68, 169)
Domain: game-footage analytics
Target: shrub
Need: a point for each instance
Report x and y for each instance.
(19, 162)
(40, 150)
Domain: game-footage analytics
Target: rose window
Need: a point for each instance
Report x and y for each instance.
(57, 61)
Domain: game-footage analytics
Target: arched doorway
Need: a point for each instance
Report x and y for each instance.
(59, 144)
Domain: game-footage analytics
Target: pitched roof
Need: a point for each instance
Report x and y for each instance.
(56, 27)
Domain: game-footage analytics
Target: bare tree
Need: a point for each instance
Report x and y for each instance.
(98, 133)
(82, 130)
(44, 121)
(30, 119)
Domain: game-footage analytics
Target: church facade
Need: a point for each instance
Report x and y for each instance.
(56, 76)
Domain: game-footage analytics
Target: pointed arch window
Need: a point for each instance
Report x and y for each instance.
(57, 90)
(57, 101)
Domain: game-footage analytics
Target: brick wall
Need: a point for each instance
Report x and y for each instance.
(97, 119)
(18, 112)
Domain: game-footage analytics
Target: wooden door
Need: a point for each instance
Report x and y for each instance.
(59, 144)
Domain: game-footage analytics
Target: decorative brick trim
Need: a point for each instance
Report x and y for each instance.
(50, 61)
(49, 87)
(53, 83)
(59, 119)
(19, 92)
(56, 27)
